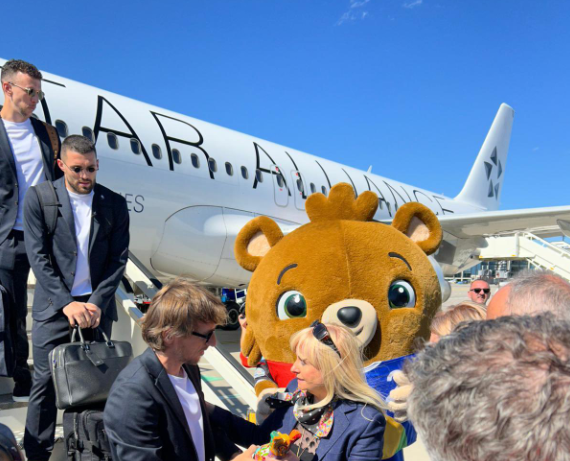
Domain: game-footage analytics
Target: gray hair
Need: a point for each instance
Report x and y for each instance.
(495, 390)
(536, 291)
(79, 144)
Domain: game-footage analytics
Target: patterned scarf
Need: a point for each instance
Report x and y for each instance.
(324, 425)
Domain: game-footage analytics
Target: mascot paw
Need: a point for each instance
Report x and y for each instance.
(398, 399)
(263, 409)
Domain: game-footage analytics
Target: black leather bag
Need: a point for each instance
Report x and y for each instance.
(83, 373)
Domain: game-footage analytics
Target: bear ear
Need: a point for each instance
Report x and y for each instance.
(420, 224)
(255, 240)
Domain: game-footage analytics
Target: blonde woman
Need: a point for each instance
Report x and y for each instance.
(445, 322)
(338, 415)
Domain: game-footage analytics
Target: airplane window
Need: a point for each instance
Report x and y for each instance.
(195, 161)
(212, 165)
(313, 188)
(113, 141)
(300, 184)
(87, 132)
(135, 146)
(229, 169)
(280, 181)
(259, 175)
(244, 173)
(176, 156)
(324, 189)
(156, 151)
(61, 127)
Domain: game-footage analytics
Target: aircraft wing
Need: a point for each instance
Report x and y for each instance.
(544, 222)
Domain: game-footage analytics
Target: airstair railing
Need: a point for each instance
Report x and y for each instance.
(551, 261)
(139, 285)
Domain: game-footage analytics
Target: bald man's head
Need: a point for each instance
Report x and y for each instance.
(530, 293)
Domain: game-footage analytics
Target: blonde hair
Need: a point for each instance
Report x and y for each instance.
(176, 308)
(445, 322)
(343, 375)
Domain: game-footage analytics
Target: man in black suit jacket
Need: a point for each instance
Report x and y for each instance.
(26, 159)
(156, 409)
(78, 268)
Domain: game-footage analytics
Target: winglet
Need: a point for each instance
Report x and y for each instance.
(484, 184)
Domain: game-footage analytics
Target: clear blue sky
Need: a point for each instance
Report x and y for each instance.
(408, 86)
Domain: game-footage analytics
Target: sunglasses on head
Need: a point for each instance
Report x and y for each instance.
(485, 290)
(322, 334)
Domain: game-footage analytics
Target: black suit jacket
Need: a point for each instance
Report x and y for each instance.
(145, 421)
(9, 178)
(53, 258)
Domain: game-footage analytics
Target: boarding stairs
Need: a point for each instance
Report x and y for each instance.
(553, 256)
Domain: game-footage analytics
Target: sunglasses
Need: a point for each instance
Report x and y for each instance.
(322, 334)
(484, 290)
(30, 91)
(206, 337)
(78, 170)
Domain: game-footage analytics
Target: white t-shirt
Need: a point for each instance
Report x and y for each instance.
(81, 204)
(28, 159)
(191, 405)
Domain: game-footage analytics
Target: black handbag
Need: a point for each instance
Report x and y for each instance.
(83, 373)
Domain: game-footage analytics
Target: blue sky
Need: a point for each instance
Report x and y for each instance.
(408, 86)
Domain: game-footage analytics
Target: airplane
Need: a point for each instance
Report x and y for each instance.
(191, 186)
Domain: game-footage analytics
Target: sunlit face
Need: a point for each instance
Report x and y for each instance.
(308, 377)
(80, 171)
(434, 337)
(479, 292)
(18, 99)
(191, 348)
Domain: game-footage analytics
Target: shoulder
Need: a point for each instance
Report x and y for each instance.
(365, 414)
(132, 378)
(109, 194)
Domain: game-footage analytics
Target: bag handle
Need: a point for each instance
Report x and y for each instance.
(87, 349)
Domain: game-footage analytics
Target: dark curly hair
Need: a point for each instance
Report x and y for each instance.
(13, 66)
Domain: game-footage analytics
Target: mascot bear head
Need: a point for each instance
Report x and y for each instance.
(343, 268)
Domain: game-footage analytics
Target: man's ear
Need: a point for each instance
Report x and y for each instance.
(255, 240)
(420, 224)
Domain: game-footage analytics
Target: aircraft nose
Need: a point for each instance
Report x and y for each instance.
(350, 316)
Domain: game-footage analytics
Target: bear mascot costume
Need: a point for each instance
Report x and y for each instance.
(343, 268)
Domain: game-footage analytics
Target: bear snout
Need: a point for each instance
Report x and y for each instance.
(355, 314)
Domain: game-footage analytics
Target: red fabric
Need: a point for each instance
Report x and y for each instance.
(281, 372)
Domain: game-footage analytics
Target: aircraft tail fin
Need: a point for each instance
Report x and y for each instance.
(484, 184)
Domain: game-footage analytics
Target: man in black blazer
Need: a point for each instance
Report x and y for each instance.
(156, 409)
(78, 268)
(26, 159)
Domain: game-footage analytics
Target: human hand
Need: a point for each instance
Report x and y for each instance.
(398, 398)
(77, 314)
(247, 455)
(95, 314)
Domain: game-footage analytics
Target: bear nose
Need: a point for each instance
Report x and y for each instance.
(349, 316)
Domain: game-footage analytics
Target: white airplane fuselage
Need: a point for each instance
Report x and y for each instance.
(185, 214)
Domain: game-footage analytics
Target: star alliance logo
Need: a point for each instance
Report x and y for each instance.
(493, 190)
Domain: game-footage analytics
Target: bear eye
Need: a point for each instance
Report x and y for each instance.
(401, 294)
(291, 305)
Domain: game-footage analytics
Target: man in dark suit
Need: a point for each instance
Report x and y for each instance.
(78, 268)
(156, 409)
(26, 159)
